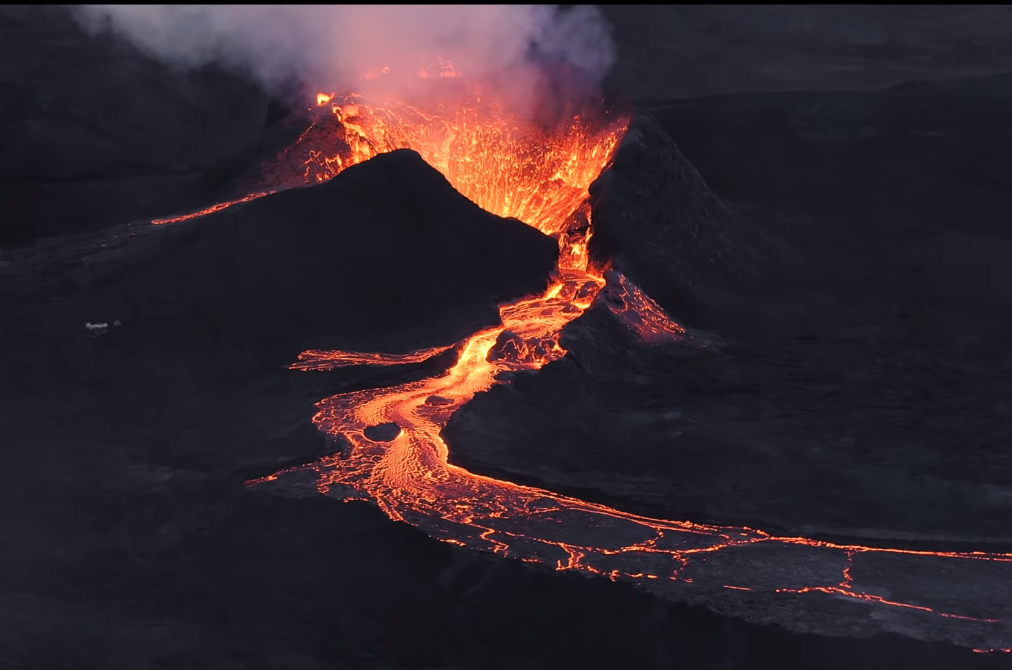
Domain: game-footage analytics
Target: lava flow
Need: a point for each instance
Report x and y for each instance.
(539, 175)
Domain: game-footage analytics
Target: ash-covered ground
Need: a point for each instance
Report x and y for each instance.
(857, 285)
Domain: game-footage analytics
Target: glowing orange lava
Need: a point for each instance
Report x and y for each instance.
(314, 359)
(540, 176)
(508, 166)
(210, 210)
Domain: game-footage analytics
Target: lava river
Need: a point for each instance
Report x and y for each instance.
(541, 176)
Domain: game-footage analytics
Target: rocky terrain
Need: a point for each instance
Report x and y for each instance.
(865, 363)
(96, 134)
(862, 365)
(682, 51)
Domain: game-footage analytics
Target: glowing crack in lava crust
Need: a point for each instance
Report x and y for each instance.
(540, 176)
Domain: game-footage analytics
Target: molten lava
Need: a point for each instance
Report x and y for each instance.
(507, 166)
(210, 210)
(540, 176)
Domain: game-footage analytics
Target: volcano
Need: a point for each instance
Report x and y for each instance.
(498, 319)
(388, 246)
(658, 219)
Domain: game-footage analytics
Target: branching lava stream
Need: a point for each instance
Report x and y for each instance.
(540, 176)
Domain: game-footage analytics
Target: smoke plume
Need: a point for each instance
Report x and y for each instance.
(331, 47)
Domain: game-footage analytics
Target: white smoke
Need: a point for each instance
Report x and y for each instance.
(325, 47)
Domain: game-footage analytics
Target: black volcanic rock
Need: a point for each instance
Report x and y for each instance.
(675, 236)
(922, 155)
(95, 133)
(384, 432)
(388, 249)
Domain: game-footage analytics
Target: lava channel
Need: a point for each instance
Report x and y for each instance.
(540, 176)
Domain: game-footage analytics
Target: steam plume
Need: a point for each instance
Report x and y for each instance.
(326, 47)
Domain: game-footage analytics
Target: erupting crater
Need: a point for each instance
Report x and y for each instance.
(394, 454)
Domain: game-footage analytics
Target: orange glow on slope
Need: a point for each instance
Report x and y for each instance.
(210, 210)
(540, 176)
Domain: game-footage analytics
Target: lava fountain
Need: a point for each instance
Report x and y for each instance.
(538, 174)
